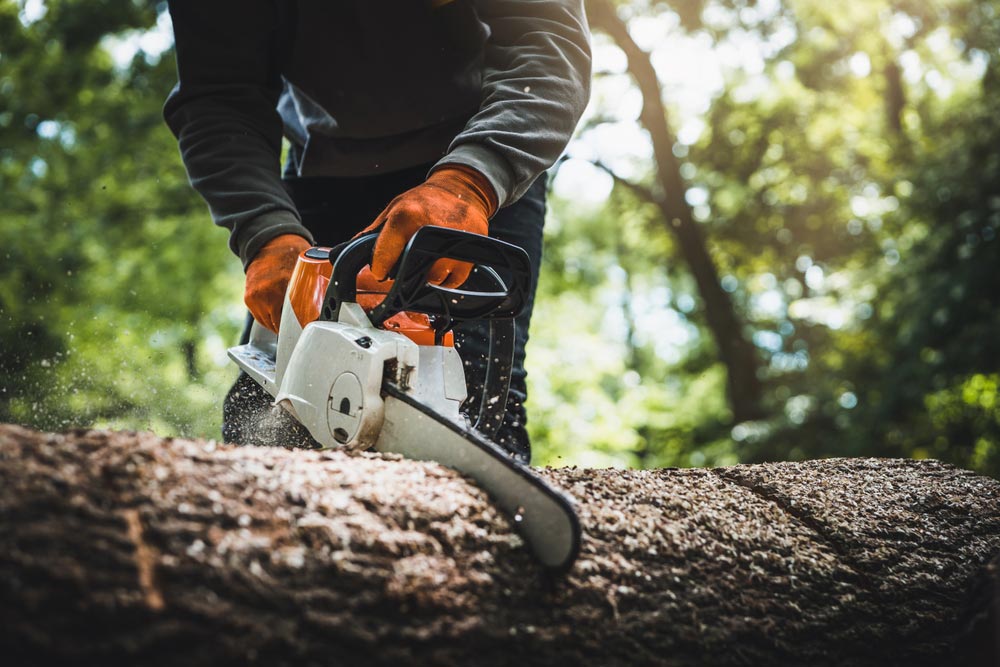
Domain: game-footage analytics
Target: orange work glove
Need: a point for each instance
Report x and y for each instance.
(453, 196)
(268, 275)
(371, 291)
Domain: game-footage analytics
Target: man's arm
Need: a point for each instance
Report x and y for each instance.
(223, 112)
(536, 83)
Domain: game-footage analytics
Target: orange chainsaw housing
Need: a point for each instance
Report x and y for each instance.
(307, 289)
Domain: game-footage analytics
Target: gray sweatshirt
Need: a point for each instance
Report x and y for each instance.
(363, 87)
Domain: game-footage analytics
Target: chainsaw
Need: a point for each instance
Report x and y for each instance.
(389, 378)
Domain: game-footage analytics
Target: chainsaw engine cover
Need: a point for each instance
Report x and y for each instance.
(333, 379)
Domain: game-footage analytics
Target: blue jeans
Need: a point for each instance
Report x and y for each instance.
(334, 210)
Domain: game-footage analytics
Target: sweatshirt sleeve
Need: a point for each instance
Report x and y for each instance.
(223, 113)
(536, 84)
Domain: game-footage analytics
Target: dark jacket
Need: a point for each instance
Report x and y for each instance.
(362, 87)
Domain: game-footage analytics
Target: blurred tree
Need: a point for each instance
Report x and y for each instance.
(735, 351)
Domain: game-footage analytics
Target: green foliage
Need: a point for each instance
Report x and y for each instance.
(939, 328)
(847, 189)
(968, 415)
(111, 290)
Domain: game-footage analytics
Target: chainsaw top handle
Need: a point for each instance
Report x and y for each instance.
(497, 289)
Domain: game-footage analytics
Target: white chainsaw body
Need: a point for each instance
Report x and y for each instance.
(329, 375)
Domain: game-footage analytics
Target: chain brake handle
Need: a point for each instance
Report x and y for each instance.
(489, 297)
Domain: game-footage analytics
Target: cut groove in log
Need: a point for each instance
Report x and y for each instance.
(126, 548)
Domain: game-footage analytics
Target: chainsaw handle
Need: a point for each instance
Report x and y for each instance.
(496, 299)
(348, 259)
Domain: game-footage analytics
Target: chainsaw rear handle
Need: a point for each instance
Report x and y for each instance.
(495, 299)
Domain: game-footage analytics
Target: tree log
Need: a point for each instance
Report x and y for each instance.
(125, 548)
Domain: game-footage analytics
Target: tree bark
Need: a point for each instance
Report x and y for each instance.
(743, 387)
(128, 549)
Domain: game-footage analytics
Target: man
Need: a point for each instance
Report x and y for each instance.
(399, 114)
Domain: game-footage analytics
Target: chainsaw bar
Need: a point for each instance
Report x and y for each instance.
(543, 516)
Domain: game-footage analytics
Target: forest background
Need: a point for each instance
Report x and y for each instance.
(773, 238)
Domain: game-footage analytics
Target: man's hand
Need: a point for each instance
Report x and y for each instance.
(453, 196)
(268, 275)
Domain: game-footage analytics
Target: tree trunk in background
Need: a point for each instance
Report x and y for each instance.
(124, 549)
(895, 96)
(190, 349)
(736, 352)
